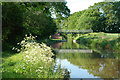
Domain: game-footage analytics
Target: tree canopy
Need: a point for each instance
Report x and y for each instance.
(20, 18)
(101, 17)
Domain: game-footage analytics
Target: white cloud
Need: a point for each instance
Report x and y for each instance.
(78, 5)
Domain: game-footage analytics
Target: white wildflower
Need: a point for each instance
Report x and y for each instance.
(13, 48)
(23, 42)
(18, 50)
(27, 56)
(26, 35)
(41, 67)
(26, 51)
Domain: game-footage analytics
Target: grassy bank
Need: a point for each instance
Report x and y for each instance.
(16, 67)
(33, 60)
(51, 41)
(108, 41)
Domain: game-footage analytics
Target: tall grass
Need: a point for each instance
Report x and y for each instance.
(33, 61)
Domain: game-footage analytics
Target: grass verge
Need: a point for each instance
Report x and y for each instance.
(33, 60)
(108, 41)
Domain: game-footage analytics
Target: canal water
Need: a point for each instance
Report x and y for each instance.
(83, 62)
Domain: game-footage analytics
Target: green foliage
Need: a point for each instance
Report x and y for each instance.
(12, 19)
(101, 17)
(82, 20)
(39, 24)
(29, 17)
(71, 22)
(101, 41)
(110, 11)
(34, 61)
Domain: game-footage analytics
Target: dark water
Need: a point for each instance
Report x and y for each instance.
(84, 62)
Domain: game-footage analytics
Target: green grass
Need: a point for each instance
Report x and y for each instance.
(9, 64)
(34, 60)
(109, 41)
(7, 54)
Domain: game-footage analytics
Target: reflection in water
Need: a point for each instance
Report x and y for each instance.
(57, 45)
(99, 67)
(73, 51)
(76, 72)
(86, 65)
(66, 45)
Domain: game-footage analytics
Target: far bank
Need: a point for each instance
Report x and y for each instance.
(108, 41)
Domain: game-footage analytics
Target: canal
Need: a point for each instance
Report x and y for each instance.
(84, 62)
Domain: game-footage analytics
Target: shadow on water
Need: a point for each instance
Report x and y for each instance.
(95, 64)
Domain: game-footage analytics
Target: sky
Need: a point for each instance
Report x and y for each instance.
(79, 5)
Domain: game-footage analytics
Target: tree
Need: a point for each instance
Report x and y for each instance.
(19, 19)
(101, 17)
(89, 20)
(110, 12)
(82, 20)
(12, 20)
(41, 25)
(72, 21)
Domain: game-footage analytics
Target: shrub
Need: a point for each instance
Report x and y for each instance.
(37, 61)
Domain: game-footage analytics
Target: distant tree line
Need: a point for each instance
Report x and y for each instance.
(20, 18)
(101, 17)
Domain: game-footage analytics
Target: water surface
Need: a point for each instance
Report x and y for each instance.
(83, 62)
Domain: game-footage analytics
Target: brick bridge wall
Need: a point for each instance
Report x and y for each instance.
(56, 36)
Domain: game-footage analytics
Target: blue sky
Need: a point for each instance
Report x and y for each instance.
(78, 5)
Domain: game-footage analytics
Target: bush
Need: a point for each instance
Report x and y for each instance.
(36, 60)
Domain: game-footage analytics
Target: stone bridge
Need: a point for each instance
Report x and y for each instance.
(74, 31)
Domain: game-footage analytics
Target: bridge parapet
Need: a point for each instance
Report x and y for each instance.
(74, 31)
